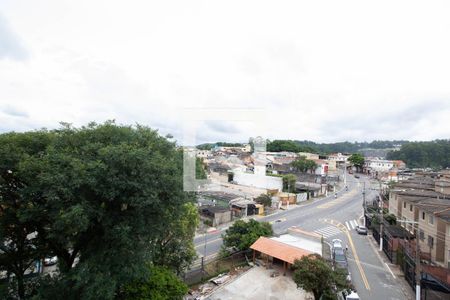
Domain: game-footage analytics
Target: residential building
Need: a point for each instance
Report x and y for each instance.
(423, 202)
(309, 155)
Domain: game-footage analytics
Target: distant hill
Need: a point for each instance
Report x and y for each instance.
(209, 146)
(327, 148)
(434, 154)
(375, 148)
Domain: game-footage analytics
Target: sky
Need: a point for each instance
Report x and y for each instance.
(325, 71)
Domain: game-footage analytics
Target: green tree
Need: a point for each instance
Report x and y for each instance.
(176, 248)
(433, 154)
(19, 249)
(241, 235)
(200, 172)
(161, 284)
(313, 274)
(289, 182)
(304, 165)
(264, 199)
(357, 160)
(104, 195)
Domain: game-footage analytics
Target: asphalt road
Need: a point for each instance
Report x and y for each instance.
(333, 218)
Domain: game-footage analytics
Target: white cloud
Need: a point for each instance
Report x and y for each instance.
(322, 70)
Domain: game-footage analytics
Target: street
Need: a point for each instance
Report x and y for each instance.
(333, 218)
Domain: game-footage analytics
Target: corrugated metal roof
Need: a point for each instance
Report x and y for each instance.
(279, 250)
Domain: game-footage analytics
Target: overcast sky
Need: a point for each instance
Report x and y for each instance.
(325, 71)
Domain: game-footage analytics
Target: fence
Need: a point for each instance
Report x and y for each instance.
(198, 273)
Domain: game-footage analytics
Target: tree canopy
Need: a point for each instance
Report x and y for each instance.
(105, 199)
(264, 199)
(289, 181)
(357, 160)
(313, 274)
(302, 164)
(161, 284)
(241, 235)
(434, 154)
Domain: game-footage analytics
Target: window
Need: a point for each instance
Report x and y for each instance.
(431, 219)
(423, 215)
(421, 235)
(410, 207)
(404, 204)
(430, 241)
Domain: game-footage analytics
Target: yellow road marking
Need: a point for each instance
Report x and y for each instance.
(355, 254)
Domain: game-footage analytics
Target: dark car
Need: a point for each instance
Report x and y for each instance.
(356, 176)
(361, 230)
(339, 258)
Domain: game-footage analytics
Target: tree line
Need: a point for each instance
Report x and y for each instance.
(327, 148)
(107, 200)
(433, 154)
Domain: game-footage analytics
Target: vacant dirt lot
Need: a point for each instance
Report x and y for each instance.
(257, 284)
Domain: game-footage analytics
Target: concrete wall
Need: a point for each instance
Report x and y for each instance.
(258, 180)
(222, 218)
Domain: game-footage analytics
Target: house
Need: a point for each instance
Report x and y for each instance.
(204, 154)
(339, 158)
(308, 155)
(242, 207)
(286, 248)
(373, 165)
(423, 202)
(218, 215)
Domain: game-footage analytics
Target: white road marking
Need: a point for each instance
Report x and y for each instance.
(390, 270)
(346, 224)
(328, 231)
(354, 224)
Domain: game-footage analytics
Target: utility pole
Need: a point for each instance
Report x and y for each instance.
(345, 172)
(364, 203)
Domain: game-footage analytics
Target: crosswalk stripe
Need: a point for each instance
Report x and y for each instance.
(354, 224)
(346, 224)
(327, 231)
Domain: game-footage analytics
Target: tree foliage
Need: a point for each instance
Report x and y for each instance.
(209, 146)
(289, 181)
(434, 154)
(327, 148)
(302, 164)
(313, 274)
(161, 284)
(264, 199)
(105, 199)
(175, 249)
(357, 160)
(241, 235)
(19, 249)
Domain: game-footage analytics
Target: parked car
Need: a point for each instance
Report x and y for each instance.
(356, 176)
(361, 229)
(336, 243)
(339, 255)
(49, 261)
(339, 258)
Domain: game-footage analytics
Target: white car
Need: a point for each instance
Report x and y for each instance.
(337, 243)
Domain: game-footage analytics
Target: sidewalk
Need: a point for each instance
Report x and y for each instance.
(395, 270)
